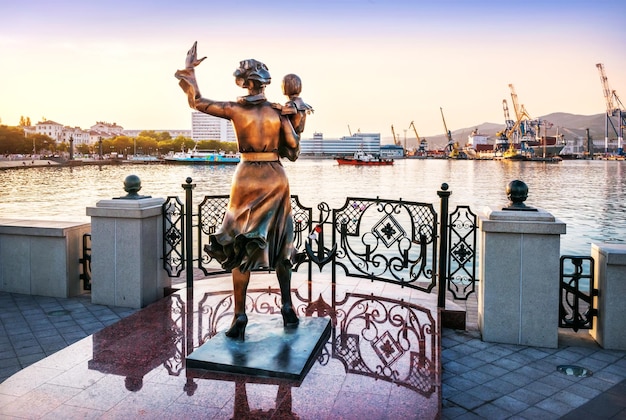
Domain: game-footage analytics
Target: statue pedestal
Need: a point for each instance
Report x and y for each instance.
(610, 280)
(126, 248)
(518, 296)
(269, 349)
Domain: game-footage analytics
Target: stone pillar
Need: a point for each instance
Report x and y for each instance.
(518, 296)
(126, 252)
(610, 279)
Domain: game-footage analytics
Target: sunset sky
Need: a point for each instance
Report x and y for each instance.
(364, 64)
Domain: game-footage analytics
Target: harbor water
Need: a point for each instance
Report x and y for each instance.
(589, 196)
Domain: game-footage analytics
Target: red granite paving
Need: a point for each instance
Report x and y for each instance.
(381, 361)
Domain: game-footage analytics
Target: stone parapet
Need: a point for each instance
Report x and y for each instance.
(610, 279)
(41, 257)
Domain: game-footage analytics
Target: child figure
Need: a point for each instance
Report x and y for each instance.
(295, 109)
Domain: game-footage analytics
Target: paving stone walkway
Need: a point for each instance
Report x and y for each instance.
(480, 380)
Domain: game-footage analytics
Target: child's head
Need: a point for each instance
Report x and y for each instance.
(292, 85)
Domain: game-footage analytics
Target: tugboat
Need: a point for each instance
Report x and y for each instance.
(361, 158)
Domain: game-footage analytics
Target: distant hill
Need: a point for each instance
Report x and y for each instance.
(572, 126)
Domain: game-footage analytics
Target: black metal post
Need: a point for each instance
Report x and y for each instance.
(188, 230)
(444, 194)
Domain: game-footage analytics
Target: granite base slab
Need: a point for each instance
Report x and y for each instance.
(269, 349)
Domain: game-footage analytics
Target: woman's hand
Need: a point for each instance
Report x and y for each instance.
(192, 58)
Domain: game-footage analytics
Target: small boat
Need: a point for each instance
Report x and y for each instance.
(143, 159)
(514, 153)
(203, 157)
(363, 159)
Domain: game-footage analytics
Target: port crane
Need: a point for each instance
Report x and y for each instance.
(422, 145)
(502, 137)
(524, 124)
(452, 146)
(614, 107)
(523, 130)
(395, 138)
(445, 127)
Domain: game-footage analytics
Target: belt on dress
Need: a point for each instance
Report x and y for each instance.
(259, 156)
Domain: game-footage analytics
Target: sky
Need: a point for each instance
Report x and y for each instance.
(365, 65)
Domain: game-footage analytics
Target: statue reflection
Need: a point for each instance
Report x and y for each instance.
(381, 338)
(386, 339)
(283, 408)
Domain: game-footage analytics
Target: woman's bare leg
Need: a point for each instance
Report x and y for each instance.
(283, 272)
(240, 320)
(240, 288)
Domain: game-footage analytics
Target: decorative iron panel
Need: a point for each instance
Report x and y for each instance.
(210, 216)
(317, 249)
(301, 225)
(85, 262)
(173, 236)
(387, 240)
(576, 293)
(462, 253)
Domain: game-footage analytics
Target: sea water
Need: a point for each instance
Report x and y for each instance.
(589, 196)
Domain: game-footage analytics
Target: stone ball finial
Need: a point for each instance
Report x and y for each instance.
(132, 184)
(517, 193)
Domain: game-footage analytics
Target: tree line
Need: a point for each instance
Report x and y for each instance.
(148, 142)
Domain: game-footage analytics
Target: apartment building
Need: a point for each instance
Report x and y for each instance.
(208, 127)
(347, 145)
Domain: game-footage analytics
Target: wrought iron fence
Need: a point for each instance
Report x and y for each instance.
(395, 241)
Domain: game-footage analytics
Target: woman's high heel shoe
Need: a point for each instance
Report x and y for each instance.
(290, 319)
(237, 329)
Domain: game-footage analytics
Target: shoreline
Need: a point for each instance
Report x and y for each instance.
(42, 163)
(46, 163)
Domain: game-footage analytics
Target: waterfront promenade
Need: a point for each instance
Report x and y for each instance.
(26, 163)
(479, 379)
(41, 163)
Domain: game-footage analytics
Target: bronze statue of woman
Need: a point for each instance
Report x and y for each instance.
(257, 231)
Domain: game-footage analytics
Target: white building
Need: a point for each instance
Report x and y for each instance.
(52, 129)
(60, 133)
(111, 130)
(208, 127)
(317, 146)
(77, 134)
(173, 133)
(393, 151)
